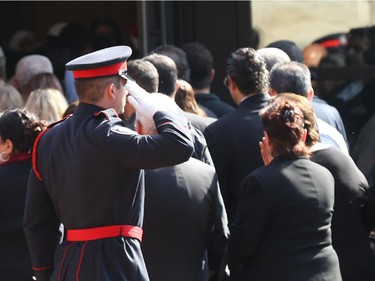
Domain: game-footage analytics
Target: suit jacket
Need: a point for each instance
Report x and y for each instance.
(199, 122)
(349, 237)
(184, 217)
(330, 115)
(214, 103)
(233, 142)
(90, 168)
(282, 226)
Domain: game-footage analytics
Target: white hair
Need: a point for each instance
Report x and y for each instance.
(273, 56)
(29, 66)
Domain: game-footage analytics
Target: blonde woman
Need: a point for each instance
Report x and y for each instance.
(10, 98)
(48, 104)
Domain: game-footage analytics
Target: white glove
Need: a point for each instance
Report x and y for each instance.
(141, 100)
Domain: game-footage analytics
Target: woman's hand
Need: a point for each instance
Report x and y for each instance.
(265, 149)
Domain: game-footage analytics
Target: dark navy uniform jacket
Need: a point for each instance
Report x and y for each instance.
(91, 170)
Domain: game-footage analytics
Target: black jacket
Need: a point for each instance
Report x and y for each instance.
(282, 226)
(233, 141)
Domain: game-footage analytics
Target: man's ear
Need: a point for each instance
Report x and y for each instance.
(310, 95)
(212, 74)
(231, 84)
(272, 92)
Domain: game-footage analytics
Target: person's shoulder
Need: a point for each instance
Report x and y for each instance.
(322, 104)
(213, 100)
(199, 121)
(221, 123)
(223, 104)
(192, 169)
(204, 167)
(317, 169)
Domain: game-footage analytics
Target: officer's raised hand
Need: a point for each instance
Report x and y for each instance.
(141, 100)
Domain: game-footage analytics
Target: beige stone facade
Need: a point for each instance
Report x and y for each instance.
(304, 21)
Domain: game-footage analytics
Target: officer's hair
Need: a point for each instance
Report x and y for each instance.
(92, 89)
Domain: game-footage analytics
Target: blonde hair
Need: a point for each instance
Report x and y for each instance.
(10, 98)
(48, 104)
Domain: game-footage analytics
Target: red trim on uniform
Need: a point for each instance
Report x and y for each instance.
(332, 43)
(42, 268)
(95, 233)
(105, 113)
(166, 123)
(100, 71)
(34, 154)
(63, 260)
(36, 142)
(80, 261)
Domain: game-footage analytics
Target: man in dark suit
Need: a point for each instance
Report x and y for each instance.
(202, 73)
(178, 55)
(233, 140)
(185, 221)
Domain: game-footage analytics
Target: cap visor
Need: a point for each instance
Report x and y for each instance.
(125, 76)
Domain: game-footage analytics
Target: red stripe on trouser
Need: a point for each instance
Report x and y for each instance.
(80, 261)
(104, 232)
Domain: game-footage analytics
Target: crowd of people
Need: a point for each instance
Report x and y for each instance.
(122, 168)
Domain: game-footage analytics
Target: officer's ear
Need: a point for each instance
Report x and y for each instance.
(110, 91)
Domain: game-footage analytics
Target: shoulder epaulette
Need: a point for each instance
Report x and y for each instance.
(109, 114)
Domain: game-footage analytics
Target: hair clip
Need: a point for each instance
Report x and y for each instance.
(288, 115)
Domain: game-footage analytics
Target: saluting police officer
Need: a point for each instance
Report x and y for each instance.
(87, 175)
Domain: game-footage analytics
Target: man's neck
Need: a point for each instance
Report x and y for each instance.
(202, 91)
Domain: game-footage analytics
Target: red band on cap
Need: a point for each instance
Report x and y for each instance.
(332, 43)
(100, 71)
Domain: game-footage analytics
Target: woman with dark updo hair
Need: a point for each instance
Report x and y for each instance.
(18, 131)
(349, 235)
(281, 229)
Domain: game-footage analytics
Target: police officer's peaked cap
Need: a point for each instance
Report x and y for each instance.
(106, 62)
